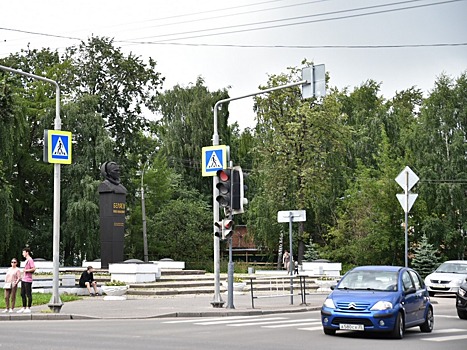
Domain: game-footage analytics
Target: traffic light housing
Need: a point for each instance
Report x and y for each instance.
(238, 191)
(227, 228)
(224, 187)
(218, 229)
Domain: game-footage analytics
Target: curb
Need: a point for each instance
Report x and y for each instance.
(224, 313)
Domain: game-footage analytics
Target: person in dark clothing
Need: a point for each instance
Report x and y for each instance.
(87, 280)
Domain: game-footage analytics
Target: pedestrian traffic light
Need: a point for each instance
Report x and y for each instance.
(224, 188)
(238, 191)
(218, 229)
(227, 228)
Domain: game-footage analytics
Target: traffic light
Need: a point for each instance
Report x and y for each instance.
(218, 229)
(238, 191)
(227, 228)
(224, 188)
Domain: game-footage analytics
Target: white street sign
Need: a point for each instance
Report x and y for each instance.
(297, 215)
(407, 179)
(407, 201)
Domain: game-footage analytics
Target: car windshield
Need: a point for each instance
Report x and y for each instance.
(451, 267)
(370, 280)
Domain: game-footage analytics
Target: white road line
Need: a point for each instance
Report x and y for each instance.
(448, 338)
(320, 328)
(278, 324)
(211, 319)
(294, 325)
(229, 321)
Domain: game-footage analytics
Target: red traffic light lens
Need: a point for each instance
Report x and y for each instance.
(223, 176)
(228, 224)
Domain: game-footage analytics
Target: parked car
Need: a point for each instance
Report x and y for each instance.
(461, 301)
(378, 299)
(447, 278)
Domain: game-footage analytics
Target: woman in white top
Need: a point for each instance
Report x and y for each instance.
(12, 278)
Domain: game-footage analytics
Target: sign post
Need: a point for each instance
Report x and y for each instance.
(217, 301)
(55, 303)
(406, 179)
(291, 216)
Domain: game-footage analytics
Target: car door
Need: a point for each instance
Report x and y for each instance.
(411, 300)
(420, 295)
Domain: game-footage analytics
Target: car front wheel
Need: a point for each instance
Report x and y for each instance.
(398, 331)
(462, 314)
(328, 331)
(427, 326)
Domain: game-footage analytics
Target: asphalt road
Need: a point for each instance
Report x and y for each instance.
(278, 331)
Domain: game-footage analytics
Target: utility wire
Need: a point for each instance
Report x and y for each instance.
(394, 46)
(291, 24)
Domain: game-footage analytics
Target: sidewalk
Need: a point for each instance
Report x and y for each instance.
(174, 306)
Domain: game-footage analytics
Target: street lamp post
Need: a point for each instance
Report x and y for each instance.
(217, 301)
(143, 213)
(55, 303)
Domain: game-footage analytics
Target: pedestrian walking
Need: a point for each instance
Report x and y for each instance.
(12, 278)
(286, 260)
(26, 282)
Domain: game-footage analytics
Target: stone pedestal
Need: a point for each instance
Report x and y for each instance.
(112, 226)
(134, 272)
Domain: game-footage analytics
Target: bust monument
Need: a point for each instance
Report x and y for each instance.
(111, 173)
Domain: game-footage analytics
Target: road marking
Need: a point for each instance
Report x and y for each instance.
(319, 328)
(447, 338)
(230, 321)
(211, 319)
(282, 323)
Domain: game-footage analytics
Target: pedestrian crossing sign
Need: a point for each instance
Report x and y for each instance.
(57, 146)
(214, 158)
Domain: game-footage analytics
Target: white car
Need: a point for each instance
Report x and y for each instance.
(447, 278)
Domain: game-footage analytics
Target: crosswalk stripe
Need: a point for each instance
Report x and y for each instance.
(311, 328)
(448, 330)
(447, 338)
(228, 321)
(277, 324)
(212, 319)
(294, 325)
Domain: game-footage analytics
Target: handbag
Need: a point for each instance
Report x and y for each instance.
(7, 285)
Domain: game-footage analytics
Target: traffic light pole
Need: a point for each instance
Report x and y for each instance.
(217, 301)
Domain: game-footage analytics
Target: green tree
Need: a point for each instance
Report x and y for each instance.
(311, 252)
(299, 153)
(186, 126)
(439, 156)
(425, 259)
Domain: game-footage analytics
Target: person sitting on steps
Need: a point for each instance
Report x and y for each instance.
(87, 280)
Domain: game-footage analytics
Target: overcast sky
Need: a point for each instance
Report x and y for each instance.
(237, 44)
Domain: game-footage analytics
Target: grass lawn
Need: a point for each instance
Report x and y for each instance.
(39, 298)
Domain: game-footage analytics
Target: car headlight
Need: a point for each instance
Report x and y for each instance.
(329, 303)
(382, 305)
(462, 292)
(460, 281)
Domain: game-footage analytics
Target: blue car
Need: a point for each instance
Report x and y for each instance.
(386, 299)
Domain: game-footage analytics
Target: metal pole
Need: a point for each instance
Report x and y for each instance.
(291, 262)
(406, 218)
(230, 280)
(55, 303)
(230, 289)
(217, 301)
(143, 213)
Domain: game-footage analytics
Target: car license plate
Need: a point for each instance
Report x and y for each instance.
(351, 327)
